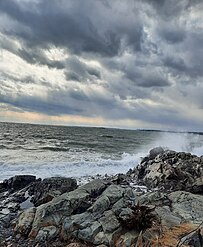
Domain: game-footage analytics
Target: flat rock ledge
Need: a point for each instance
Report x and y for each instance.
(109, 213)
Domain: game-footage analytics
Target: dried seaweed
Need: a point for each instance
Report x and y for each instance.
(141, 218)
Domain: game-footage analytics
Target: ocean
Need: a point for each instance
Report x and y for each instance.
(80, 152)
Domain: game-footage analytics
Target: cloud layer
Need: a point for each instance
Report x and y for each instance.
(136, 64)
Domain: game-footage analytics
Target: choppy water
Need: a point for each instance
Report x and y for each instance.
(47, 151)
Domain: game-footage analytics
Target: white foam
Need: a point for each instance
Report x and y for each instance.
(86, 164)
(180, 142)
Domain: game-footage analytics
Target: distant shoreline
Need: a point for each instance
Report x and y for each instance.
(106, 127)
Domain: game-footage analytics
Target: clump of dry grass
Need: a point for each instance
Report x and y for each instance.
(170, 237)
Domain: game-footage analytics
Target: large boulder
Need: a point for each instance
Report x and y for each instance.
(45, 190)
(187, 205)
(18, 182)
(154, 152)
(101, 213)
(170, 171)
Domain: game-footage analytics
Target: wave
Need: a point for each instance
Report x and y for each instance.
(3, 147)
(180, 142)
(107, 136)
(56, 149)
(86, 163)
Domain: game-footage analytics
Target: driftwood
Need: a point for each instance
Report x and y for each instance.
(189, 236)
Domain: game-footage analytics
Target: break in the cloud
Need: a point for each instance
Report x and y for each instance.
(131, 64)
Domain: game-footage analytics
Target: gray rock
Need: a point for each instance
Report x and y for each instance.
(101, 204)
(48, 232)
(109, 222)
(74, 223)
(24, 222)
(168, 218)
(90, 232)
(18, 182)
(95, 187)
(156, 198)
(62, 206)
(127, 239)
(154, 152)
(197, 186)
(114, 193)
(101, 239)
(45, 190)
(187, 205)
(170, 171)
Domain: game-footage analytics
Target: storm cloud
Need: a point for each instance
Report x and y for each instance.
(139, 62)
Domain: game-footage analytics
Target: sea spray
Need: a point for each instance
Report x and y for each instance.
(79, 151)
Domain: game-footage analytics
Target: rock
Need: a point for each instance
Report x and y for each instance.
(74, 245)
(2, 187)
(197, 186)
(88, 234)
(170, 171)
(196, 239)
(155, 198)
(154, 152)
(45, 190)
(75, 222)
(24, 222)
(101, 213)
(18, 182)
(52, 213)
(109, 222)
(48, 232)
(101, 204)
(168, 218)
(187, 205)
(127, 239)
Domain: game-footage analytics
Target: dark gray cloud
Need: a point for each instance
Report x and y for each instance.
(77, 70)
(169, 9)
(140, 60)
(172, 35)
(66, 23)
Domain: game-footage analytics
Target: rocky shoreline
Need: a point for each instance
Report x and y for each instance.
(158, 203)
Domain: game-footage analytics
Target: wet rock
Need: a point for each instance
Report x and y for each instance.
(154, 152)
(45, 190)
(170, 171)
(18, 182)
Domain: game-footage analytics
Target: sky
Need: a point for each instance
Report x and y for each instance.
(127, 64)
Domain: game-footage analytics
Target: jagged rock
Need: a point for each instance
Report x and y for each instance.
(170, 171)
(24, 222)
(187, 205)
(105, 213)
(52, 213)
(109, 222)
(18, 182)
(154, 152)
(167, 217)
(127, 239)
(45, 190)
(197, 186)
(48, 232)
(88, 234)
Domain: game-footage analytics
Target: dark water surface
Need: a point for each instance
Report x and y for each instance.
(47, 151)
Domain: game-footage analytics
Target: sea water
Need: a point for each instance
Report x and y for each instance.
(46, 151)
